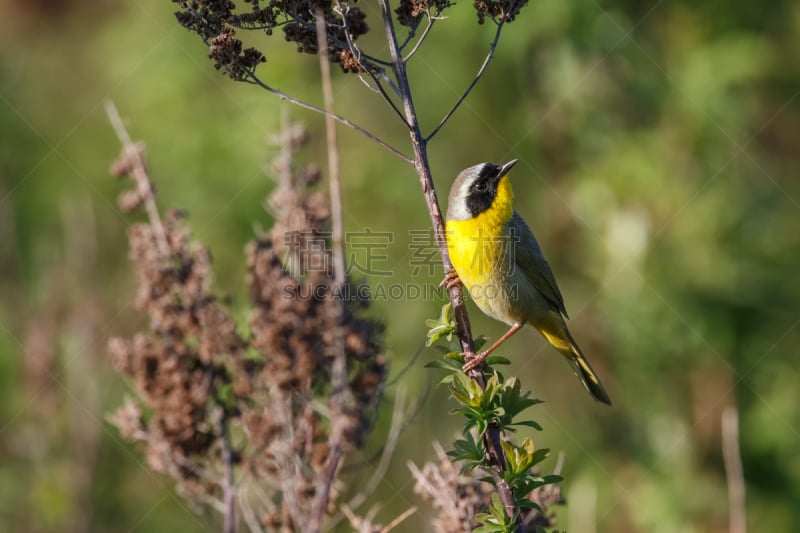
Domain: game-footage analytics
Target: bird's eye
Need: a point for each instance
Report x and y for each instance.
(481, 186)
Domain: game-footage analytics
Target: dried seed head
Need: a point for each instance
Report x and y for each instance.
(230, 57)
(498, 10)
(410, 12)
(216, 22)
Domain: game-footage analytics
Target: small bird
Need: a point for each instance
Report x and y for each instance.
(497, 258)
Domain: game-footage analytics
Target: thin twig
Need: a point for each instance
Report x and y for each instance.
(383, 92)
(381, 74)
(475, 80)
(388, 451)
(228, 489)
(248, 514)
(422, 166)
(421, 39)
(733, 468)
(139, 172)
(339, 367)
(255, 80)
(408, 366)
(285, 143)
(356, 51)
(298, 20)
(333, 154)
(559, 463)
(384, 453)
(411, 34)
(397, 521)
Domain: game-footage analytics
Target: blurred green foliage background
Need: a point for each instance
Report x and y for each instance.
(660, 157)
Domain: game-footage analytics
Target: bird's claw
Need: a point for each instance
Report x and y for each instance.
(450, 280)
(473, 360)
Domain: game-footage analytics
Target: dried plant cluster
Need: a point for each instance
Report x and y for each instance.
(299, 334)
(217, 23)
(457, 495)
(246, 407)
(504, 10)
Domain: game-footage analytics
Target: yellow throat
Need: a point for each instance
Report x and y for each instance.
(478, 245)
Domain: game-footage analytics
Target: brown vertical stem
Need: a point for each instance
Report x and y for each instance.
(733, 468)
(228, 489)
(139, 173)
(339, 368)
(422, 166)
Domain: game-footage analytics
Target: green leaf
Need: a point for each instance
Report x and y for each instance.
(444, 364)
(468, 450)
(444, 326)
(437, 333)
(447, 380)
(496, 520)
(525, 503)
(470, 412)
(492, 388)
(479, 342)
(447, 313)
(520, 458)
(529, 423)
(524, 483)
(455, 356)
(488, 527)
(497, 360)
(465, 390)
(514, 401)
(225, 396)
(539, 456)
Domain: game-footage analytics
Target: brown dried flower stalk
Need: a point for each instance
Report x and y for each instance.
(219, 400)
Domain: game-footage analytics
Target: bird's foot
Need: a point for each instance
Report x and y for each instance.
(473, 360)
(450, 280)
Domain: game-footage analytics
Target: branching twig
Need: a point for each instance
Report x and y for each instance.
(356, 51)
(421, 39)
(296, 19)
(422, 167)
(475, 80)
(411, 33)
(139, 172)
(255, 80)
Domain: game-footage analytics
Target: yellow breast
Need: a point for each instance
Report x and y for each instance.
(478, 246)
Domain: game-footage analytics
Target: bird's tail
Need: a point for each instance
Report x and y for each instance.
(588, 377)
(562, 340)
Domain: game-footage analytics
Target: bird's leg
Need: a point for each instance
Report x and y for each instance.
(478, 359)
(450, 280)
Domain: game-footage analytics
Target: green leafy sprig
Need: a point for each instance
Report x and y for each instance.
(501, 404)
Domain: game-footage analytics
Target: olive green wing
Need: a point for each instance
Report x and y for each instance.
(529, 258)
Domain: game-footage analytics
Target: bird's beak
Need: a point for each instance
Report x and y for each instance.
(505, 169)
